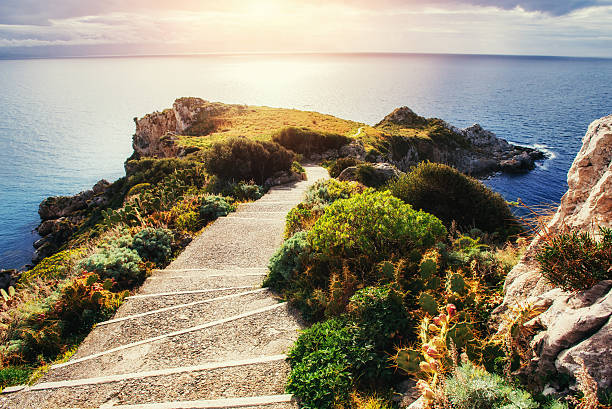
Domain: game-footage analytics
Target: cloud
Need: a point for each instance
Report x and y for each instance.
(193, 26)
(36, 12)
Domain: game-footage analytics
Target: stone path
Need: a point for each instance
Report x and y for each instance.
(198, 334)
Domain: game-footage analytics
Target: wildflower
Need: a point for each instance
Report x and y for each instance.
(451, 310)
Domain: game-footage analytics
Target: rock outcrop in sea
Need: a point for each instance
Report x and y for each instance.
(473, 150)
(574, 327)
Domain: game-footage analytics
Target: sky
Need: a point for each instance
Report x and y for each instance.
(35, 28)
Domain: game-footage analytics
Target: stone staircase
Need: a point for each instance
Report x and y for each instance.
(201, 333)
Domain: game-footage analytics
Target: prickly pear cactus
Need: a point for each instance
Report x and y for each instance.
(408, 360)
(428, 303)
(387, 269)
(456, 284)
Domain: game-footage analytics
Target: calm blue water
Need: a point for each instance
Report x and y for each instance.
(66, 123)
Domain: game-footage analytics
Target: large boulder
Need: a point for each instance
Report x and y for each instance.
(574, 327)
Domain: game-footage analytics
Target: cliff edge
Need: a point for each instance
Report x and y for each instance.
(574, 327)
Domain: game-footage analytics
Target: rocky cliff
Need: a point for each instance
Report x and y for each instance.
(472, 150)
(573, 326)
(156, 133)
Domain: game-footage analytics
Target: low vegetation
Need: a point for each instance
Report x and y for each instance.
(306, 141)
(576, 261)
(454, 197)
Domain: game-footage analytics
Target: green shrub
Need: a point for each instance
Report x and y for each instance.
(328, 360)
(153, 244)
(381, 313)
(14, 375)
(367, 175)
(307, 141)
(189, 221)
(301, 218)
(213, 207)
(241, 191)
(450, 195)
(325, 192)
(374, 227)
(576, 261)
(242, 159)
(474, 388)
(287, 262)
(57, 266)
(297, 167)
(340, 164)
(121, 264)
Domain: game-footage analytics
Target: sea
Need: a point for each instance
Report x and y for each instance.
(67, 123)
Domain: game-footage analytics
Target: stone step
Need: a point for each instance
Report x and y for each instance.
(269, 332)
(187, 282)
(191, 302)
(148, 302)
(270, 402)
(220, 380)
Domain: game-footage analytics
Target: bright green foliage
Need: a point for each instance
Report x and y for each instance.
(340, 164)
(576, 261)
(14, 375)
(213, 207)
(118, 263)
(474, 388)
(189, 221)
(381, 313)
(450, 195)
(318, 197)
(287, 262)
(153, 244)
(329, 360)
(245, 159)
(56, 266)
(137, 189)
(308, 141)
(375, 227)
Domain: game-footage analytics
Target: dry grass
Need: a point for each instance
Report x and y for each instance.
(260, 123)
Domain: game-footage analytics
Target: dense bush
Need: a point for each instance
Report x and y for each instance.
(153, 244)
(241, 191)
(340, 164)
(121, 264)
(57, 266)
(373, 227)
(576, 261)
(14, 375)
(287, 261)
(244, 159)
(325, 192)
(307, 141)
(213, 207)
(473, 388)
(329, 360)
(381, 313)
(450, 195)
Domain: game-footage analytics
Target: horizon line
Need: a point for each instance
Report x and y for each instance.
(295, 53)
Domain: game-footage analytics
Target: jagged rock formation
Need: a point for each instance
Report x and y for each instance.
(472, 150)
(61, 215)
(157, 133)
(573, 327)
